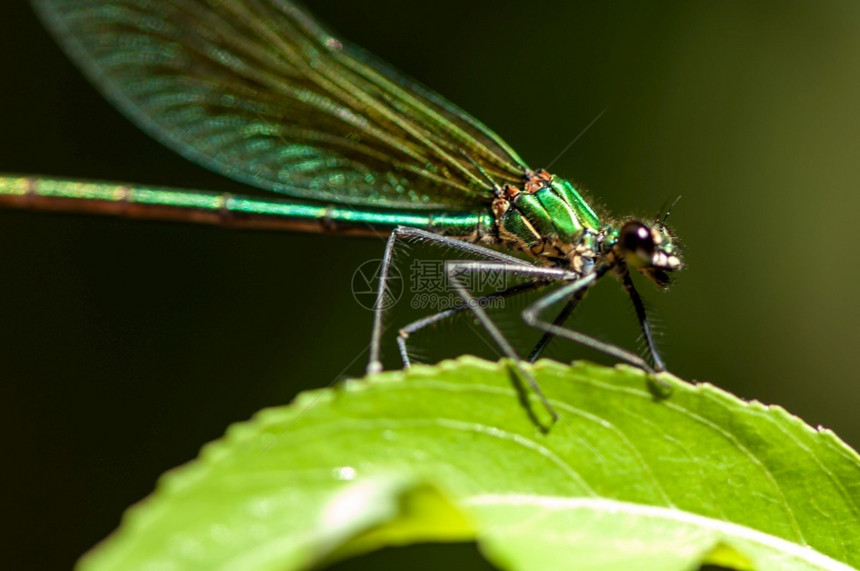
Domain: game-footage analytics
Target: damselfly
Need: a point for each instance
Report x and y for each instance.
(260, 92)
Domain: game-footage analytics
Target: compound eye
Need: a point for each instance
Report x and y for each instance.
(636, 238)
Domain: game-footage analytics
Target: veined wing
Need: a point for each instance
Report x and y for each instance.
(258, 91)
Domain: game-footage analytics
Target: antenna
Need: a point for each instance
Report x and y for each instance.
(575, 139)
(660, 211)
(669, 211)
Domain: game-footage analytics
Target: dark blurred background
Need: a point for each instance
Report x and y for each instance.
(124, 346)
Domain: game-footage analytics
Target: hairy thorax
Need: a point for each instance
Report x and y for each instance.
(548, 219)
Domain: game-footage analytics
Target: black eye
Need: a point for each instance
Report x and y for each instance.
(636, 238)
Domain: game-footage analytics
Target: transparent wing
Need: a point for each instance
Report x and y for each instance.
(258, 91)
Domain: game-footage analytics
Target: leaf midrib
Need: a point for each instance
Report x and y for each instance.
(726, 529)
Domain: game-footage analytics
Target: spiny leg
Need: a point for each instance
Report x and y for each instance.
(453, 268)
(575, 290)
(418, 325)
(542, 343)
(642, 315)
(407, 233)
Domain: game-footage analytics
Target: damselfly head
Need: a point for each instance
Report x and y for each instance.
(650, 250)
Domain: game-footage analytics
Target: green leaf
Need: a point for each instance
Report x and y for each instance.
(454, 453)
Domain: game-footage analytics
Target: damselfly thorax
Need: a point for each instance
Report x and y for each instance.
(547, 218)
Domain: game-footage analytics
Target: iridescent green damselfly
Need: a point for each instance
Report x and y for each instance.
(260, 92)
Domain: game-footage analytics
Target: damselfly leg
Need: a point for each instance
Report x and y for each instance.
(642, 316)
(574, 292)
(577, 288)
(407, 234)
(562, 316)
(410, 329)
(456, 269)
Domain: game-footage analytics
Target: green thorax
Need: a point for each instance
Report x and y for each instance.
(546, 217)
